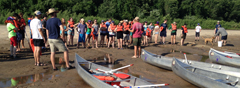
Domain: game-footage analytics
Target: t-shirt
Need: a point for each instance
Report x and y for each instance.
(10, 28)
(53, 27)
(164, 27)
(44, 23)
(218, 25)
(95, 28)
(81, 28)
(138, 28)
(107, 24)
(151, 27)
(36, 24)
(198, 28)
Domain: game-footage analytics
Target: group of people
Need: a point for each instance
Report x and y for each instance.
(55, 32)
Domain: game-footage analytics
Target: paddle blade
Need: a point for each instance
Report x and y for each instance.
(122, 76)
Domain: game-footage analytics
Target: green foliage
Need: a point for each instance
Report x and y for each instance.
(191, 12)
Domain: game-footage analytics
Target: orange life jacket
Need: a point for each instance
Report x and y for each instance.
(71, 23)
(113, 27)
(89, 25)
(161, 28)
(103, 25)
(126, 27)
(156, 24)
(119, 28)
(184, 29)
(148, 32)
(174, 27)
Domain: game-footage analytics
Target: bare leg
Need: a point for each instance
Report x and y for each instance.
(121, 43)
(118, 40)
(22, 42)
(66, 57)
(174, 39)
(146, 40)
(156, 37)
(35, 54)
(72, 39)
(139, 51)
(135, 51)
(96, 40)
(163, 39)
(52, 59)
(113, 41)
(109, 42)
(69, 38)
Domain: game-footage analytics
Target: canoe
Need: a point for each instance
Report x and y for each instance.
(225, 58)
(203, 78)
(88, 71)
(165, 62)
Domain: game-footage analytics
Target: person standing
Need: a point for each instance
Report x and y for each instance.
(198, 30)
(131, 34)
(145, 26)
(216, 30)
(54, 26)
(163, 32)
(12, 30)
(173, 28)
(64, 32)
(44, 29)
(22, 28)
(156, 30)
(17, 25)
(103, 32)
(108, 23)
(137, 35)
(184, 34)
(126, 33)
(150, 26)
(88, 33)
(95, 31)
(120, 34)
(112, 34)
(223, 33)
(82, 28)
(38, 37)
(70, 27)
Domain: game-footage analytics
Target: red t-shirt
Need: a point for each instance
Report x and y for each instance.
(138, 28)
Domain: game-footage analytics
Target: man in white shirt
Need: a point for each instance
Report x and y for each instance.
(37, 36)
(198, 30)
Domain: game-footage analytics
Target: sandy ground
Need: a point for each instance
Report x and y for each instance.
(24, 65)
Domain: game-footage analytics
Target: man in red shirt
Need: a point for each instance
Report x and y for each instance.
(137, 29)
(22, 28)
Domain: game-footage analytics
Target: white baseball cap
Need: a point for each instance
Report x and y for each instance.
(37, 12)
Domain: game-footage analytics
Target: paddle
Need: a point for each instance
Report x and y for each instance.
(112, 71)
(185, 58)
(149, 85)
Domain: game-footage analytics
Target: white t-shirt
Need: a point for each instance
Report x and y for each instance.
(35, 25)
(198, 28)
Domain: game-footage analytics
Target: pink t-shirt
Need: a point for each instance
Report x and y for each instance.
(138, 28)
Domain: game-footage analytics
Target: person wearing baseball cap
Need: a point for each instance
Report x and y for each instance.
(54, 26)
(216, 30)
(198, 30)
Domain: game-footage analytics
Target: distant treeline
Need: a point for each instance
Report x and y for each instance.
(191, 12)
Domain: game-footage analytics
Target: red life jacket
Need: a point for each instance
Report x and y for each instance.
(174, 27)
(89, 25)
(148, 32)
(71, 23)
(161, 28)
(119, 28)
(126, 27)
(113, 27)
(184, 29)
(156, 24)
(103, 25)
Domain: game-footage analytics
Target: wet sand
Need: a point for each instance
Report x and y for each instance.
(24, 66)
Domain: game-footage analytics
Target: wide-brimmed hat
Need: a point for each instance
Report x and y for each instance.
(52, 10)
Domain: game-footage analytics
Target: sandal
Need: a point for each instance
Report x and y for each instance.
(41, 64)
(134, 57)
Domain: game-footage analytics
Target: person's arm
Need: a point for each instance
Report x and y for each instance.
(68, 26)
(217, 33)
(109, 29)
(40, 30)
(47, 33)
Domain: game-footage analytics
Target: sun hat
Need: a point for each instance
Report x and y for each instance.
(52, 10)
(82, 19)
(126, 20)
(136, 18)
(174, 23)
(37, 12)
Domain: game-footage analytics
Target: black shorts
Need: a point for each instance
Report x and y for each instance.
(224, 37)
(163, 34)
(103, 34)
(119, 35)
(184, 36)
(38, 42)
(107, 35)
(174, 33)
(23, 33)
(197, 34)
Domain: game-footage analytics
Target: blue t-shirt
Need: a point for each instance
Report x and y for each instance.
(218, 25)
(164, 27)
(183, 31)
(82, 28)
(107, 24)
(53, 28)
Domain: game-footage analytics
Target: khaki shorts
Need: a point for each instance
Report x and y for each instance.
(57, 43)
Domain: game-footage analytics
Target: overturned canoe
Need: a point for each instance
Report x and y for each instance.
(202, 77)
(226, 58)
(89, 72)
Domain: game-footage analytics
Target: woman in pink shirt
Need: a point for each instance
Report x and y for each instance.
(137, 29)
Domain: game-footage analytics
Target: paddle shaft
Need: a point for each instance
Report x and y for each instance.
(186, 58)
(149, 85)
(111, 71)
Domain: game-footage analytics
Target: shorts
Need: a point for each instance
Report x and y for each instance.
(137, 41)
(175, 33)
(81, 38)
(197, 34)
(57, 43)
(95, 36)
(184, 36)
(144, 33)
(70, 32)
(111, 35)
(88, 33)
(103, 34)
(13, 41)
(163, 34)
(38, 42)
(23, 33)
(156, 33)
(120, 35)
(125, 36)
(107, 35)
(224, 37)
(131, 33)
